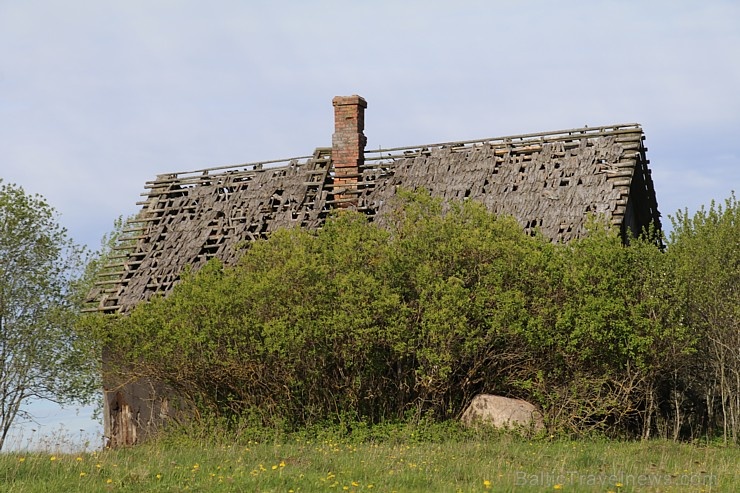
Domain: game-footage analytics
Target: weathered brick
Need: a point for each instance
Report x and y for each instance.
(348, 142)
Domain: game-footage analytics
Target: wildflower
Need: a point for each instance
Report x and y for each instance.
(282, 463)
(618, 485)
(558, 486)
(22, 459)
(53, 458)
(159, 476)
(486, 484)
(79, 459)
(108, 481)
(83, 474)
(274, 467)
(355, 484)
(98, 466)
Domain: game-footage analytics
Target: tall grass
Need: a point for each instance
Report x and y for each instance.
(401, 461)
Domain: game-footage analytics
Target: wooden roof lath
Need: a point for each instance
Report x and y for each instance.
(550, 181)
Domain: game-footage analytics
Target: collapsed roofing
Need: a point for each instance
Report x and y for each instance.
(549, 181)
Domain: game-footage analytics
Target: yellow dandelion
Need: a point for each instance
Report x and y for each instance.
(79, 459)
(486, 484)
(53, 458)
(282, 463)
(98, 466)
(159, 476)
(108, 481)
(355, 484)
(618, 485)
(370, 486)
(22, 459)
(83, 474)
(274, 467)
(558, 486)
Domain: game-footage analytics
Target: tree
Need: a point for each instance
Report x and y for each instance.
(41, 355)
(705, 252)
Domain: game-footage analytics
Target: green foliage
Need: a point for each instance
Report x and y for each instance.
(704, 251)
(41, 355)
(367, 324)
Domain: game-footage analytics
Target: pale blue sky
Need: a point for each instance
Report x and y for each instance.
(96, 97)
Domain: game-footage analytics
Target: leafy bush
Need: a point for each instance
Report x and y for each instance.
(368, 324)
(704, 254)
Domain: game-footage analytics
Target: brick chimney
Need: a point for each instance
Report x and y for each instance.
(348, 146)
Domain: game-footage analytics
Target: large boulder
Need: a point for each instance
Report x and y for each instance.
(503, 412)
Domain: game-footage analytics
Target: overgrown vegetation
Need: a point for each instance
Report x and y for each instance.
(41, 278)
(439, 458)
(366, 324)
(704, 258)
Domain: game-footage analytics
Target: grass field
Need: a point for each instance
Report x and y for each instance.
(496, 463)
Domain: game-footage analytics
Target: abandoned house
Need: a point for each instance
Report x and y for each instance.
(549, 181)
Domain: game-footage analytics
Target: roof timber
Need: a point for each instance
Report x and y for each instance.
(574, 134)
(548, 181)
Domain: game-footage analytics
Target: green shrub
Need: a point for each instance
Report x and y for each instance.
(363, 324)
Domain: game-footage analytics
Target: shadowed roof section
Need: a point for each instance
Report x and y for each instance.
(550, 182)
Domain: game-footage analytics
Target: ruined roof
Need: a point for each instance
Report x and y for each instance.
(550, 181)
